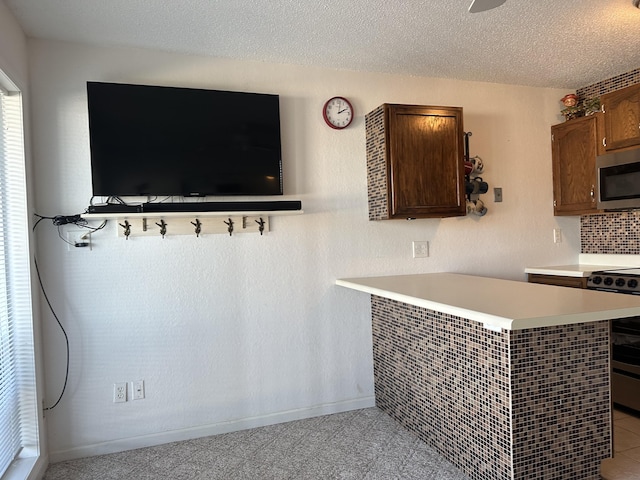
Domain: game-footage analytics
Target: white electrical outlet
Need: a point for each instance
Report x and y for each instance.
(420, 249)
(79, 240)
(120, 392)
(137, 389)
(557, 235)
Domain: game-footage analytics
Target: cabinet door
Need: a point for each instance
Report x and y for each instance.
(426, 161)
(574, 151)
(621, 118)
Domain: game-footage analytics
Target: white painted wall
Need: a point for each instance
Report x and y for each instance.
(13, 48)
(232, 332)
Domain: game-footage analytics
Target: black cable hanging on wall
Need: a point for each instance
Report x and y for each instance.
(64, 332)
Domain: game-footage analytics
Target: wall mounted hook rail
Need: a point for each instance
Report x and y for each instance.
(187, 225)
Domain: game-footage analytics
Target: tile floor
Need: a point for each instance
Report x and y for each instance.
(626, 444)
(362, 444)
(359, 445)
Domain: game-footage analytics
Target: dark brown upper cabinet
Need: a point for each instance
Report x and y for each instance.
(415, 165)
(574, 147)
(621, 110)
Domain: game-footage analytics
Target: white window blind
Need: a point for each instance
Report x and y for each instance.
(18, 412)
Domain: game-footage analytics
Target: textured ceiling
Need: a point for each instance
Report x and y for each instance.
(548, 43)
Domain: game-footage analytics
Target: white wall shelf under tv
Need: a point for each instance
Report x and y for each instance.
(199, 223)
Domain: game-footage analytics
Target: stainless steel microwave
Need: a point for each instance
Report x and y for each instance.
(619, 180)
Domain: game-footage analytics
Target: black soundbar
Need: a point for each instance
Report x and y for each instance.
(248, 206)
(114, 208)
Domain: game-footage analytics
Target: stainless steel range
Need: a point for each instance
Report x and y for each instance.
(625, 280)
(625, 337)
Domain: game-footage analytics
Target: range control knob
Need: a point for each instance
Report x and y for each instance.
(608, 281)
(620, 282)
(597, 280)
(633, 283)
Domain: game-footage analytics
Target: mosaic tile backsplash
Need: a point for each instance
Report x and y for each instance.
(499, 405)
(617, 232)
(610, 85)
(610, 232)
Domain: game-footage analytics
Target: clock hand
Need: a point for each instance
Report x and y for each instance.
(343, 110)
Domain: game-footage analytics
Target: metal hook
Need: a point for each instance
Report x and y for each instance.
(163, 228)
(127, 229)
(230, 229)
(198, 226)
(260, 225)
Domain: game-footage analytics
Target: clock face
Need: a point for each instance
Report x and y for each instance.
(338, 112)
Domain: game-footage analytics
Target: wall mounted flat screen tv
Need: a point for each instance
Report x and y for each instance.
(167, 141)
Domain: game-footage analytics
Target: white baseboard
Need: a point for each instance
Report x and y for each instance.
(131, 443)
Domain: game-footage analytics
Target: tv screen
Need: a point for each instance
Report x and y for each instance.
(168, 141)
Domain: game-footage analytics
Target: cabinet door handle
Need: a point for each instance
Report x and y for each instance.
(604, 142)
(602, 107)
(555, 203)
(593, 193)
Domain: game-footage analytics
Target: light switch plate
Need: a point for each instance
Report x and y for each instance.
(557, 235)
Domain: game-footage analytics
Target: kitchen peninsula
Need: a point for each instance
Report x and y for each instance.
(508, 380)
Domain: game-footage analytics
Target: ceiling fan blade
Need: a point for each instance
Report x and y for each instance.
(482, 5)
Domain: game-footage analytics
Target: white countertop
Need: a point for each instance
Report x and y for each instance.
(499, 303)
(588, 263)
